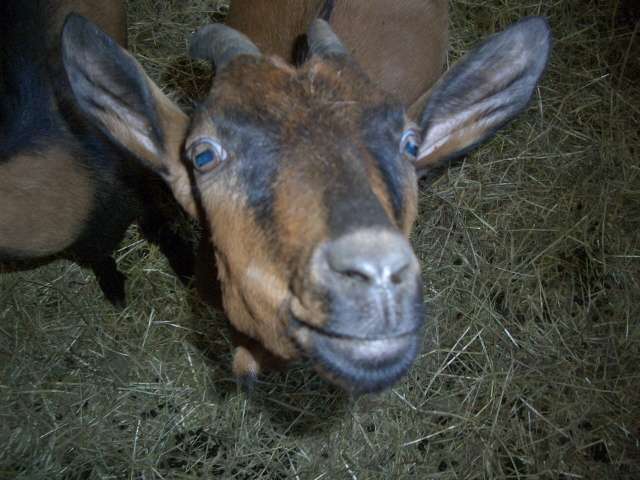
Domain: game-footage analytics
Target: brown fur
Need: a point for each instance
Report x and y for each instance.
(51, 192)
(253, 287)
(401, 44)
(57, 205)
(66, 192)
(245, 271)
(256, 282)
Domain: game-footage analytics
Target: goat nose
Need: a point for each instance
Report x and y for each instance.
(372, 258)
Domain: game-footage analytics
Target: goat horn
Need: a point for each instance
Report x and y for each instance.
(220, 45)
(323, 41)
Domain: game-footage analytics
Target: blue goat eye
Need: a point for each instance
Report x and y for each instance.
(206, 154)
(203, 158)
(410, 142)
(412, 149)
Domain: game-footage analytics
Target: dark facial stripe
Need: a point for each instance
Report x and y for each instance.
(382, 127)
(254, 139)
(349, 199)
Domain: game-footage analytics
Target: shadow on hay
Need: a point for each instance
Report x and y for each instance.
(296, 399)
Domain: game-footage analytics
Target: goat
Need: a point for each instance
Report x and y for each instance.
(307, 181)
(400, 45)
(65, 190)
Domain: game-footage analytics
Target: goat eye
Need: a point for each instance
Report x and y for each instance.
(410, 142)
(206, 154)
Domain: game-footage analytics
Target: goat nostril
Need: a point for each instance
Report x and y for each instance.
(356, 275)
(398, 277)
(371, 271)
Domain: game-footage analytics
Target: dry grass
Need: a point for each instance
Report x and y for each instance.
(531, 255)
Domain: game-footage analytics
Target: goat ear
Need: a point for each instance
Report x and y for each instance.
(112, 90)
(482, 92)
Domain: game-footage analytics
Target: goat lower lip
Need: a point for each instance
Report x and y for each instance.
(297, 325)
(359, 365)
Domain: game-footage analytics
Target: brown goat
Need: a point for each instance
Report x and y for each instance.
(400, 45)
(65, 190)
(307, 180)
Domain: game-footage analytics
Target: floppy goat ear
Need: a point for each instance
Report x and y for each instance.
(112, 90)
(482, 92)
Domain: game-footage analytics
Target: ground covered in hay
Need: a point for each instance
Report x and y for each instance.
(531, 257)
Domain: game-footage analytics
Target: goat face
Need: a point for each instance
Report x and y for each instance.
(306, 180)
(305, 185)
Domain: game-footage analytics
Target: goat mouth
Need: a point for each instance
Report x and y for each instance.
(358, 365)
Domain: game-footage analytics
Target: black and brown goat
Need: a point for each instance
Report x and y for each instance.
(65, 190)
(307, 180)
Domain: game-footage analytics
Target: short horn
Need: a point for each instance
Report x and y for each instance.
(323, 41)
(327, 10)
(220, 45)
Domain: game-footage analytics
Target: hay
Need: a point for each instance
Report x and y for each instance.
(530, 253)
